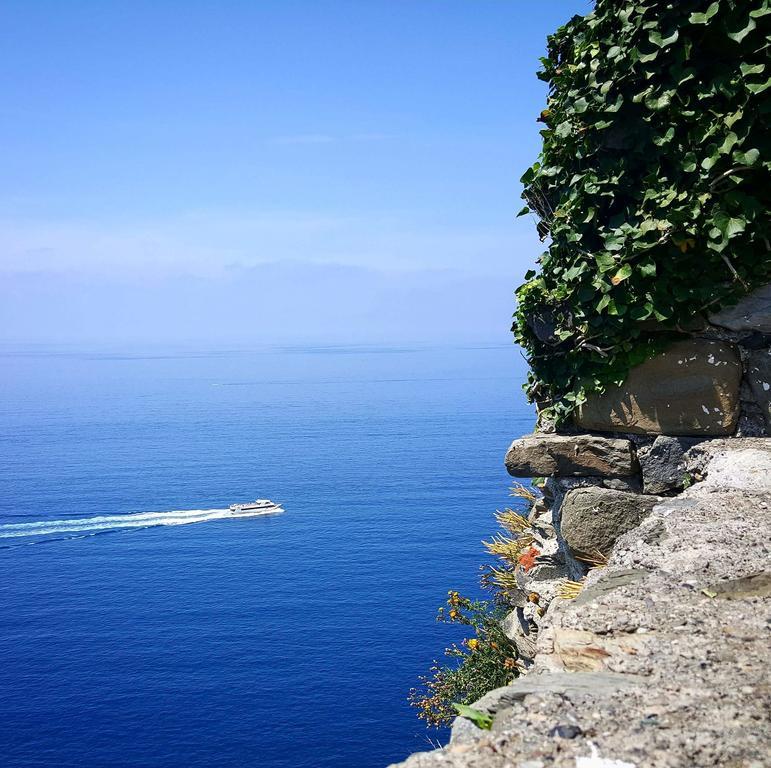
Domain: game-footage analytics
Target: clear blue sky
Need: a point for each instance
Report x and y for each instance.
(269, 170)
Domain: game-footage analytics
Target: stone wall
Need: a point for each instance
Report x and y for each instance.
(715, 383)
(662, 658)
(657, 503)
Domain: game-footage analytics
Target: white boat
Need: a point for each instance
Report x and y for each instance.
(252, 507)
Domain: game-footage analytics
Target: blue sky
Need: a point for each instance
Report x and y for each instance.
(269, 170)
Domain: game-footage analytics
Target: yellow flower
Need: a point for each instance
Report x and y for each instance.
(473, 643)
(453, 613)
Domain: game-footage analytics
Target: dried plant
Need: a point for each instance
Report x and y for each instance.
(570, 590)
(508, 549)
(595, 560)
(503, 579)
(525, 492)
(515, 523)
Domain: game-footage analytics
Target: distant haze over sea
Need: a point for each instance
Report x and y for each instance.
(273, 302)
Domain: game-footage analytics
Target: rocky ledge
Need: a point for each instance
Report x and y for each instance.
(662, 659)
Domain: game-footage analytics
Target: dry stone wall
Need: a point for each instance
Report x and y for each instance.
(716, 383)
(658, 503)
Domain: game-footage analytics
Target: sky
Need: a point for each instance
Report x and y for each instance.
(267, 171)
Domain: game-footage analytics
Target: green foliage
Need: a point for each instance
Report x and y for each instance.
(482, 662)
(652, 186)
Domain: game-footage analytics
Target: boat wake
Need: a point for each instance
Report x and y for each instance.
(104, 523)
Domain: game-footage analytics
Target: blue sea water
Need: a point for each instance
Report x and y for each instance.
(289, 640)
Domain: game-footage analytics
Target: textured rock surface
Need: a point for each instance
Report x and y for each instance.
(759, 379)
(593, 518)
(683, 606)
(753, 312)
(570, 456)
(663, 464)
(594, 685)
(690, 389)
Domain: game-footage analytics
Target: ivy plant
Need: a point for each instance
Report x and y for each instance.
(652, 187)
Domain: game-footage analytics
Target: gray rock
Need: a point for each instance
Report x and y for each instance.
(759, 379)
(690, 389)
(752, 313)
(745, 469)
(594, 684)
(521, 632)
(542, 455)
(663, 464)
(609, 582)
(756, 585)
(593, 518)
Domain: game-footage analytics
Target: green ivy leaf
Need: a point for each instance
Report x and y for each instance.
(580, 105)
(751, 69)
(758, 87)
(659, 141)
(605, 262)
(703, 18)
(750, 157)
(728, 143)
(729, 226)
(740, 34)
(482, 720)
(623, 274)
(656, 38)
(657, 103)
(689, 162)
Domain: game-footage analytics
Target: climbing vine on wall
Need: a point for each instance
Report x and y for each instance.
(652, 187)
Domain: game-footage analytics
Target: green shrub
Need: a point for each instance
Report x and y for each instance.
(652, 186)
(482, 662)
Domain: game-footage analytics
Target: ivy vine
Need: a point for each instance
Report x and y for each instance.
(652, 186)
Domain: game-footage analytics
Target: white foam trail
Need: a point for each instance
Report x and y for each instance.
(115, 522)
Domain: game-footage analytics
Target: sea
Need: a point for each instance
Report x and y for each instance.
(142, 625)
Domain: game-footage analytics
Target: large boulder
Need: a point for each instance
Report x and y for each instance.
(752, 313)
(593, 518)
(570, 456)
(759, 379)
(690, 389)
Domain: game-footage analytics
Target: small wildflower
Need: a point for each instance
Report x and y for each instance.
(527, 559)
(473, 644)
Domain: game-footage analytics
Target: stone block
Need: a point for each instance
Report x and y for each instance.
(752, 313)
(690, 389)
(570, 456)
(593, 518)
(663, 464)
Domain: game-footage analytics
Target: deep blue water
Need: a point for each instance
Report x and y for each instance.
(278, 641)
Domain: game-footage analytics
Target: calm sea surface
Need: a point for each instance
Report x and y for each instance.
(183, 638)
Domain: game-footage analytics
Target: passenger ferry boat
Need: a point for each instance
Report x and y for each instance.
(254, 507)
